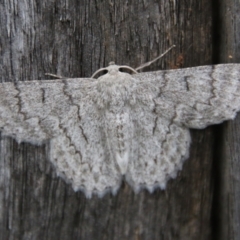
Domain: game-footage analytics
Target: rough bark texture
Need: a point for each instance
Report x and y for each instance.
(74, 39)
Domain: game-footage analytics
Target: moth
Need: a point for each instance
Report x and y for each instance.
(120, 125)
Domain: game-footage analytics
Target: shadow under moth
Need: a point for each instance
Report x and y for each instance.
(119, 125)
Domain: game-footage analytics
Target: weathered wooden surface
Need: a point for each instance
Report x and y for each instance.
(227, 195)
(75, 39)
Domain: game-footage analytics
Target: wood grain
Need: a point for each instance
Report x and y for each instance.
(74, 39)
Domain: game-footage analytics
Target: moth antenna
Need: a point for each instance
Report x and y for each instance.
(98, 71)
(54, 75)
(129, 68)
(154, 60)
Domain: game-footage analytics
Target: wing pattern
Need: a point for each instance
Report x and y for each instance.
(62, 111)
(197, 97)
(120, 125)
(170, 102)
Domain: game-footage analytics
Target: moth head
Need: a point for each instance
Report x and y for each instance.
(113, 69)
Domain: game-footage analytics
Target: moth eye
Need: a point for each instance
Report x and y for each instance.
(101, 73)
(125, 70)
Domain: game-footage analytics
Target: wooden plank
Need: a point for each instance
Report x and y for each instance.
(75, 39)
(227, 194)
